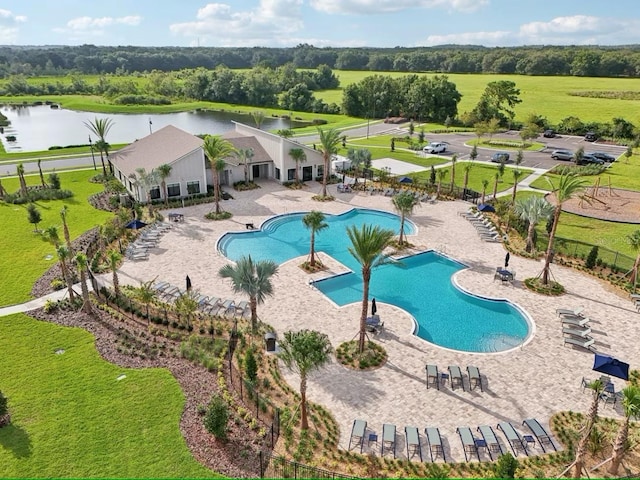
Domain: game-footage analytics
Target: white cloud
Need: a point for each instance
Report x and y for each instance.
(271, 22)
(469, 38)
(9, 25)
(388, 6)
(86, 23)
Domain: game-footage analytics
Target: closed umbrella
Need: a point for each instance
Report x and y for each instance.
(611, 366)
(188, 283)
(374, 308)
(507, 257)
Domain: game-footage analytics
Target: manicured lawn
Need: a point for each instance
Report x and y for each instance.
(71, 417)
(44, 154)
(24, 254)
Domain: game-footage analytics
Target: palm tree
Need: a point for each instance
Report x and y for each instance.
(163, 172)
(454, 159)
(303, 352)
(498, 176)
(285, 133)
(467, 169)
(631, 408)
(148, 180)
(100, 127)
(44, 184)
(253, 279)
(485, 184)
(533, 210)
(314, 221)
(634, 242)
(114, 257)
(63, 256)
(367, 246)
(244, 156)
(23, 182)
(50, 234)
(298, 155)
(516, 176)
(442, 173)
(82, 264)
(65, 228)
(568, 187)
(2, 190)
(360, 158)
(146, 294)
(217, 149)
(258, 118)
(578, 464)
(404, 202)
(186, 305)
(329, 141)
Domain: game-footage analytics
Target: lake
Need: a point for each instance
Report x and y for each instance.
(40, 127)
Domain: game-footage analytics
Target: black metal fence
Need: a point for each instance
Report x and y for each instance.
(274, 466)
(578, 249)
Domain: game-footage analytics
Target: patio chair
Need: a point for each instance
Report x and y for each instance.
(609, 397)
(474, 378)
(490, 439)
(539, 432)
(577, 332)
(412, 437)
(435, 443)
(586, 343)
(575, 321)
(227, 307)
(570, 311)
(357, 433)
(513, 437)
(455, 377)
(212, 306)
(160, 286)
(432, 375)
(468, 442)
(434, 198)
(388, 439)
(241, 308)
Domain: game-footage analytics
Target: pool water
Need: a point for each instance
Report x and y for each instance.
(420, 284)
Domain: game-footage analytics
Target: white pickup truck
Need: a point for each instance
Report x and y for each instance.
(435, 147)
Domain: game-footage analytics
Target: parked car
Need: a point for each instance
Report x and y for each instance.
(603, 156)
(587, 159)
(435, 147)
(500, 157)
(590, 137)
(562, 154)
(549, 133)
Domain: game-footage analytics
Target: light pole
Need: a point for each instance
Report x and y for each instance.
(93, 157)
(150, 131)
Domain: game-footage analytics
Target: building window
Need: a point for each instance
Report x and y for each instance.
(277, 173)
(320, 170)
(154, 193)
(173, 190)
(130, 185)
(193, 188)
(291, 174)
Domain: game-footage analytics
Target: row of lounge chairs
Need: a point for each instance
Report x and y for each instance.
(576, 330)
(486, 230)
(148, 238)
(455, 377)
(485, 438)
(208, 305)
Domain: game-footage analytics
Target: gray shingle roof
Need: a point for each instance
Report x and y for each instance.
(239, 141)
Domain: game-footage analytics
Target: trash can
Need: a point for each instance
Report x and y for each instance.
(270, 340)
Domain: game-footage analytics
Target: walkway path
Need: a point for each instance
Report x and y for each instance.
(39, 302)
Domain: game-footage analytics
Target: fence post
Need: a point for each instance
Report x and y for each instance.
(615, 260)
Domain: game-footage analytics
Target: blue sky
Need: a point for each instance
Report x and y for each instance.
(336, 23)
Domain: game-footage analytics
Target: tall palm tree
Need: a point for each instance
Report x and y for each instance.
(299, 156)
(63, 256)
(44, 184)
(485, 184)
(454, 160)
(367, 247)
(217, 149)
(146, 294)
(634, 242)
(578, 464)
(516, 177)
(498, 175)
(568, 187)
(100, 127)
(631, 408)
(23, 182)
(467, 169)
(329, 141)
(114, 257)
(163, 172)
(65, 228)
(258, 118)
(533, 210)
(244, 156)
(404, 202)
(253, 279)
(314, 221)
(442, 173)
(360, 159)
(147, 180)
(303, 352)
(82, 264)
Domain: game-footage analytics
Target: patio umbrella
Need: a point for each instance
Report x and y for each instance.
(485, 207)
(135, 224)
(405, 180)
(374, 308)
(611, 366)
(188, 283)
(506, 259)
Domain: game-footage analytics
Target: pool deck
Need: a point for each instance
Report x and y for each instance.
(535, 380)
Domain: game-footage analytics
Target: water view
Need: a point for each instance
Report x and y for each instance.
(40, 127)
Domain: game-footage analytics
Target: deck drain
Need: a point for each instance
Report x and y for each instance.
(121, 377)
(60, 351)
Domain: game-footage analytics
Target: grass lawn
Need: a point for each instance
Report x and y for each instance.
(23, 259)
(72, 418)
(46, 154)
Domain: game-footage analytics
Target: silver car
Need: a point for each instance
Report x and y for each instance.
(562, 154)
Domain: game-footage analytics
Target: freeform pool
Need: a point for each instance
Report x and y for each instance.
(420, 284)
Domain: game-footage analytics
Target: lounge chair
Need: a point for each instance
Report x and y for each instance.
(212, 306)
(455, 377)
(435, 442)
(241, 308)
(433, 376)
(513, 437)
(357, 433)
(412, 437)
(474, 378)
(570, 311)
(227, 306)
(577, 332)
(575, 321)
(388, 439)
(586, 343)
(434, 198)
(490, 439)
(539, 432)
(159, 286)
(468, 442)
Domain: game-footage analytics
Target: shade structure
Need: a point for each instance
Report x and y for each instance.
(405, 180)
(374, 307)
(507, 257)
(188, 283)
(135, 224)
(611, 366)
(485, 207)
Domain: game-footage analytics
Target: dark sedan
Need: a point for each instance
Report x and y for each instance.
(605, 157)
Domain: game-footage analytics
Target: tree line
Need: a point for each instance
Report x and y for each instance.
(584, 61)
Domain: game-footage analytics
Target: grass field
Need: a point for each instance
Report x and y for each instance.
(71, 417)
(29, 261)
(47, 154)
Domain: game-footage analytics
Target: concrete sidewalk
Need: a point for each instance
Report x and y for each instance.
(41, 301)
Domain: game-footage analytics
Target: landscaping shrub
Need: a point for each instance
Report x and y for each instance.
(251, 366)
(506, 466)
(215, 421)
(54, 181)
(592, 258)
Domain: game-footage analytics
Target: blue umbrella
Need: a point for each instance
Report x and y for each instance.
(405, 180)
(485, 207)
(611, 366)
(136, 224)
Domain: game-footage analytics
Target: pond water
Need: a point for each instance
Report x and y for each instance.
(40, 127)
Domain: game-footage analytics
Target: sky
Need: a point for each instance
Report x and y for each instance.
(322, 23)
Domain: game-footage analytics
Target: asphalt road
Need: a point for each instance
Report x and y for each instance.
(31, 166)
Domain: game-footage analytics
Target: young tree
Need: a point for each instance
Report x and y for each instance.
(298, 155)
(578, 464)
(432, 175)
(146, 294)
(634, 243)
(628, 153)
(216, 150)
(519, 157)
(3, 192)
(498, 176)
(34, 216)
(83, 264)
(65, 228)
(251, 366)
(533, 210)
(217, 417)
(516, 178)
(186, 306)
(454, 160)
(63, 256)
(163, 172)
(467, 166)
(44, 184)
(51, 235)
(23, 182)
(442, 174)
(485, 184)
(258, 118)
(314, 221)
(578, 156)
(253, 279)
(244, 156)
(101, 127)
(329, 141)
(631, 408)
(367, 247)
(404, 202)
(474, 153)
(114, 257)
(54, 181)
(303, 352)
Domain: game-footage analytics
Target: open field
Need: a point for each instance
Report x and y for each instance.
(72, 418)
(47, 154)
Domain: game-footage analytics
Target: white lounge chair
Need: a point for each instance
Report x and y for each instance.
(577, 332)
(575, 321)
(570, 311)
(586, 343)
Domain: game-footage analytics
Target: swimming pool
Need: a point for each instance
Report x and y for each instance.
(420, 284)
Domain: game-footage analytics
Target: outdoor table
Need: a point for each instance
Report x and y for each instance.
(529, 440)
(444, 377)
(480, 443)
(373, 321)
